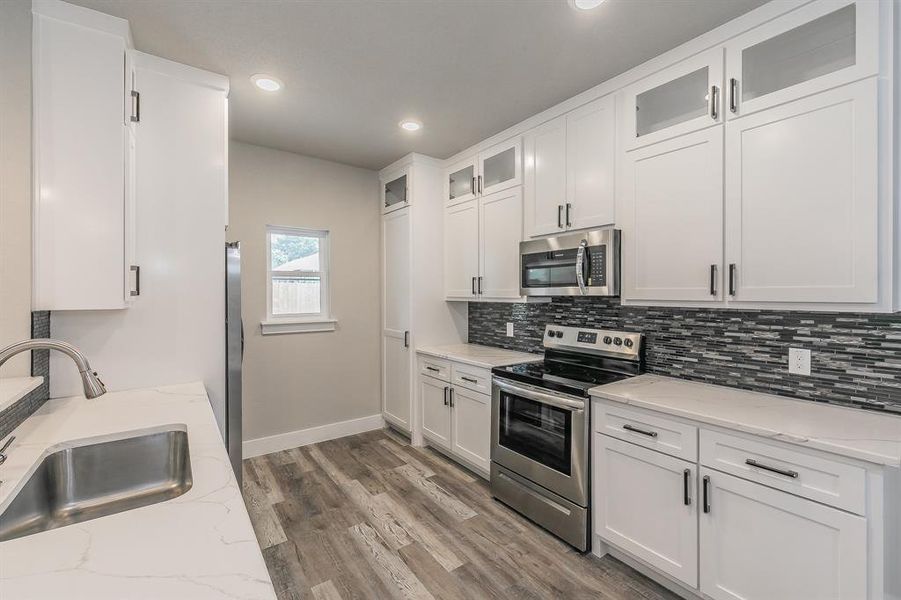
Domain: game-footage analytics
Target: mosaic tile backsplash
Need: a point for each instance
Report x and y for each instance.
(13, 416)
(855, 358)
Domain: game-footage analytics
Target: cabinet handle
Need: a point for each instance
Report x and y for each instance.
(480, 184)
(480, 285)
(732, 268)
(733, 95)
(137, 271)
(406, 339)
(713, 280)
(628, 427)
(474, 286)
(569, 207)
(451, 390)
(787, 472)
(432, 369)
(472, 187)
(706, 482)
(136, 106)
(686, 493)
(469, 379)
(714, 102)
(559, 216)
(445, 395)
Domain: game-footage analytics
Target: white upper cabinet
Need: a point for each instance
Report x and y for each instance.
(461, 250)
(461, 181)
(817, 47)
(590, 164)
(683, 98)
(500, 232)
(396, 191)
(80, 158)
(545, 177)
(500, 167)
(802, 199)
(672, 219)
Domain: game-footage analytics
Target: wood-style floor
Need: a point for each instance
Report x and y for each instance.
(370, 517)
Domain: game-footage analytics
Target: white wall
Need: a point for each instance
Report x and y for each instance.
(298, 381)
(15, 179)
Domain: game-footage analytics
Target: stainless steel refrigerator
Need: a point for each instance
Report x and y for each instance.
(234, 354)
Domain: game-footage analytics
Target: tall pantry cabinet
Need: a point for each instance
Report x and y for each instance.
(414, 313)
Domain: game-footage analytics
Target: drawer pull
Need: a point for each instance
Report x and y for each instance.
(706, 482)
(787, 472)
(469, 379)
(628, 427)
(433, 369)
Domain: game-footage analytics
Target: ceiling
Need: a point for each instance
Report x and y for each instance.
(354, 68)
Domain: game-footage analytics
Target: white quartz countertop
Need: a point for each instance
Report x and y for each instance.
(480, 356)
(855, 433)
(199, 545)
(15, 388)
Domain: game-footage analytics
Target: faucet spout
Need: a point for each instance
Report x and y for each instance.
(92, 385)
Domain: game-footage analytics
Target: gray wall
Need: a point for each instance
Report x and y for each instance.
(15, 179)
(302, 380)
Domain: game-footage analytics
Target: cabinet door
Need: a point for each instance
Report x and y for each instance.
(762, 544)
(545, 177)
(461, 250)
(802, 199)
(460, 183)
(672, 219)
(817, 47)
(683, 98)
(471, 418)
(590, 164)
(396, 192)
(436, 413)
(500, 231)
(396, 336)
(646, 503)
(500, 167)
(79, 154)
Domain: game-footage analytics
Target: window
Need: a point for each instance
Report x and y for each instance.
(298, 291)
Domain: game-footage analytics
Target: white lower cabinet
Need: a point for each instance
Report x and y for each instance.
(455, 416)
(644, 502)
(760, 543)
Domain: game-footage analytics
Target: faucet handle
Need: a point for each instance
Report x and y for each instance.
(11, 439)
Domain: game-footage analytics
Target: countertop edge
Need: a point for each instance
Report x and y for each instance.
(439, 352)
(21, 387)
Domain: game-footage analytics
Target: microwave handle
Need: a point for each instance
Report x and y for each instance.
(580, 262)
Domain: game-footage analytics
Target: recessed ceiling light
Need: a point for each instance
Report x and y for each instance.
(410, 125)
(586, 4)
(267, 83)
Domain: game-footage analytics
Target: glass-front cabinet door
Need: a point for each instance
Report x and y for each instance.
(395, 192)
(684, 98)
(500, 167)
(817, 47)
(461, 182)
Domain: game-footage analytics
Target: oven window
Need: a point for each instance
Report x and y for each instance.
(537, 431)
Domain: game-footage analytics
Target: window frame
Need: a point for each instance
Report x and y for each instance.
(275, 323)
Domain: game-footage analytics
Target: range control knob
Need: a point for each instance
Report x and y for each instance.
(617, 341)
(628, 343)
(608, 340)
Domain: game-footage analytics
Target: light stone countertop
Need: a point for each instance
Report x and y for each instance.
(854, 433)
(199, 545)
(16, 388)
(480, 356)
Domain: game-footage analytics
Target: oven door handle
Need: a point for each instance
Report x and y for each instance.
(564, 403)
(580, 264)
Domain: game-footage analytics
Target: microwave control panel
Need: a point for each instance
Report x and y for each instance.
(597, 274)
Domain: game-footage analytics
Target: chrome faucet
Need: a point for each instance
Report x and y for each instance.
(93, 387)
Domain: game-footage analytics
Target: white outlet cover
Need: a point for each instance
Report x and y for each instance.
(509, 329)
(799, 361)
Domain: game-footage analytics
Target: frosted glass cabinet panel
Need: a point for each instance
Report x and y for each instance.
(809, 50)
(394, 193)
(500, 167)
(461, 184)
(674, 102)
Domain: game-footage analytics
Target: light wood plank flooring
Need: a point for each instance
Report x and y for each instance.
(369, 516)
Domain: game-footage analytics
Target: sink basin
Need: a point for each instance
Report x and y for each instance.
(99, 479)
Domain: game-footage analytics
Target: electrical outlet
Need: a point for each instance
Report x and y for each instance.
(799, 361)
(509, 329)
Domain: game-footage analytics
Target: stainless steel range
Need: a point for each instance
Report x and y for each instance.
(540, 425)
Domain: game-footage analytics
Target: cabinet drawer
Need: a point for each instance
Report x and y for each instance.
(473, 378)
(434, 367)
(818, 478)
(648, 430)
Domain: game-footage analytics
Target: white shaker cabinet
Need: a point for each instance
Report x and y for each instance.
(461, 251)
(492, 170)
(545, 178)
(434, 396)
(396, 265)
(81, 109)
(471, 426)
(757, 543)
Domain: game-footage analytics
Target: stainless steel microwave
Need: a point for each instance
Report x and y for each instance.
(575, 264)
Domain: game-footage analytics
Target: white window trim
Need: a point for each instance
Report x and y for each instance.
(303, 322)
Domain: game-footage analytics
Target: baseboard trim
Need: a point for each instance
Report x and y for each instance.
(311, 435)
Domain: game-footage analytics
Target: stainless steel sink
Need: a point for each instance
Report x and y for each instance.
(94, 480)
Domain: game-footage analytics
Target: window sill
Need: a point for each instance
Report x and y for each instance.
(282, 326)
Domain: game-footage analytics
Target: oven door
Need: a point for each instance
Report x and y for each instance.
(542, 437)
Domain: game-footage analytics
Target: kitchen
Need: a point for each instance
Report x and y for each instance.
(427, 318)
